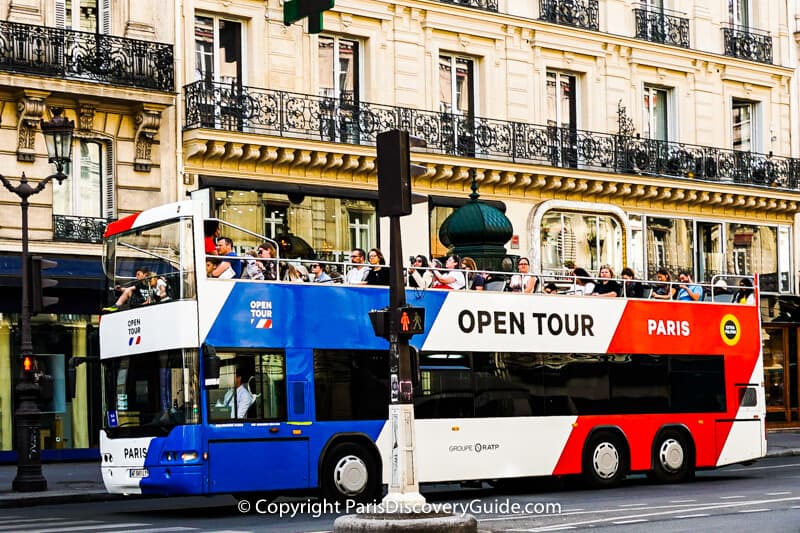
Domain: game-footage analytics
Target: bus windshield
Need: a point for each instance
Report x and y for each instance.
(152, 264)
(146, 395)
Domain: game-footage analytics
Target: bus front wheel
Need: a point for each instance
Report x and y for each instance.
(672, 457)
(350, 473)
(604, 459)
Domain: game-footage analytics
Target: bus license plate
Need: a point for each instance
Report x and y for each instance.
(139, 473)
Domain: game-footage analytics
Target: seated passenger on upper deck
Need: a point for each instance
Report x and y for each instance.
(664, 290)
(225, 248)
(606, 286)
(688, 291)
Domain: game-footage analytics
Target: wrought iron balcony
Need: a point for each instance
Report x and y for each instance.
(486, 5)
(747, 43)
(61, 53)
(247, 109)
(579, 13)
(78, 229)
(660, 27)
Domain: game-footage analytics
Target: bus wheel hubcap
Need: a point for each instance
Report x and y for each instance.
(605, 460)
(350, 475)
(671, 455)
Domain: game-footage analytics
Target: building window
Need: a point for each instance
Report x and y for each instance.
(457, 102)
(83, 193)
(562, 110)
(562, 104)
(361, 224)
(92, 16)
(339, 68)
(218, 50)
(655, 109)
(743, 127)
(739, 12)
(669, 244)
(585, 239)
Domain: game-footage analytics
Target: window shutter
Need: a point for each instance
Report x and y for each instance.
(61, 13)
(108, 184)
(105, 17)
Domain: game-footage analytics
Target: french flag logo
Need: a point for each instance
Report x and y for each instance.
(137, 339)
(264, 323)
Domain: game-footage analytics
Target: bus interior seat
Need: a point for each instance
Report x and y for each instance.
(498, 285)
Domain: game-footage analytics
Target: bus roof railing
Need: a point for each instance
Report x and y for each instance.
(501, 281)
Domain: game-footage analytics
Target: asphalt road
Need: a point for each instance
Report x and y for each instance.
(763, 497)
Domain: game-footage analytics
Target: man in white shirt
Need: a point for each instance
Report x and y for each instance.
(357, 273)
(243, 397)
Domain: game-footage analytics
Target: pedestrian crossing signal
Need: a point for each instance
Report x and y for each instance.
(411, 320)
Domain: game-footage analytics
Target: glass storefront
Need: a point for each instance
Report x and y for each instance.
(68, 424)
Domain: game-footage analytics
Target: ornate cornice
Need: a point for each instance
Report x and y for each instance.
(249, 157)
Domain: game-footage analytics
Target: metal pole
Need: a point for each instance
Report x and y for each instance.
(27, 416)
(403, 494)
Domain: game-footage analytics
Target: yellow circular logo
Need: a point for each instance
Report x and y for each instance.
(730, 330)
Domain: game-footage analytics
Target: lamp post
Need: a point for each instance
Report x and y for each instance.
(58, 138)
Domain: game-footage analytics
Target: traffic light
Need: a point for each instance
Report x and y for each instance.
(410, 321)
(38, 300)
(27, 364)
(294, 10)
(395, 171)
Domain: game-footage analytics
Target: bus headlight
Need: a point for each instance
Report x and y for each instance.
(188, 456)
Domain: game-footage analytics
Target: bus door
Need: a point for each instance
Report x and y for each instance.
(252, 445)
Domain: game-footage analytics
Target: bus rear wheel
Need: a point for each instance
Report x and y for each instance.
(605, 459)
(672, 457)
(350, 472)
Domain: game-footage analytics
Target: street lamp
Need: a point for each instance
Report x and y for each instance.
(58, 137)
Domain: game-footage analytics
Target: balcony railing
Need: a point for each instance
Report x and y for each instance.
(61, 53)
(660, 27)
(486, 5)
(747, 43)
(579, 13)
(78, 229)
(247, 109)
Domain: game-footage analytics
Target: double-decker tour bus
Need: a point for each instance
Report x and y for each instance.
(249, 386)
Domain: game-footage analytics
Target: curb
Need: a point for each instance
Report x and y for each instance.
(45, 498)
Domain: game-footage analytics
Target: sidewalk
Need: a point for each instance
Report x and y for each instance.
(77, 482)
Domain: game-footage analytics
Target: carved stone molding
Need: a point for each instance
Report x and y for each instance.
(86, 116)
(291, 162)
(148, 120)
(30, 110)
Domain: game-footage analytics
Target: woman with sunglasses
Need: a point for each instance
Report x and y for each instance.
(418, 274)
(475, 280)
(378, 274)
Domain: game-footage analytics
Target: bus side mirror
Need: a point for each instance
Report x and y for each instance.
(211, 366)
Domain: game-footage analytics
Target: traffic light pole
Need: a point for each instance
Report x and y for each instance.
(27, 416)
(403, 494)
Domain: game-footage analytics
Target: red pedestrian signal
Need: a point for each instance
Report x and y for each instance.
(27, 363)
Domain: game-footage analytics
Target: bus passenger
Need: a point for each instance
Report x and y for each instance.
(225, 248)
(524, 281)
(158, 288)
(137, 292)
(357, 274)
(664, 290)
(377, 275)
(475, 279)
(550, 288)
(320, 276)
(688, 291)
(211, 232)
(419, 279)
(632, 288)
(606, 286)
(266, 251)
(292, 275)
(453, 279)
(745, 294)
(583, 283)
